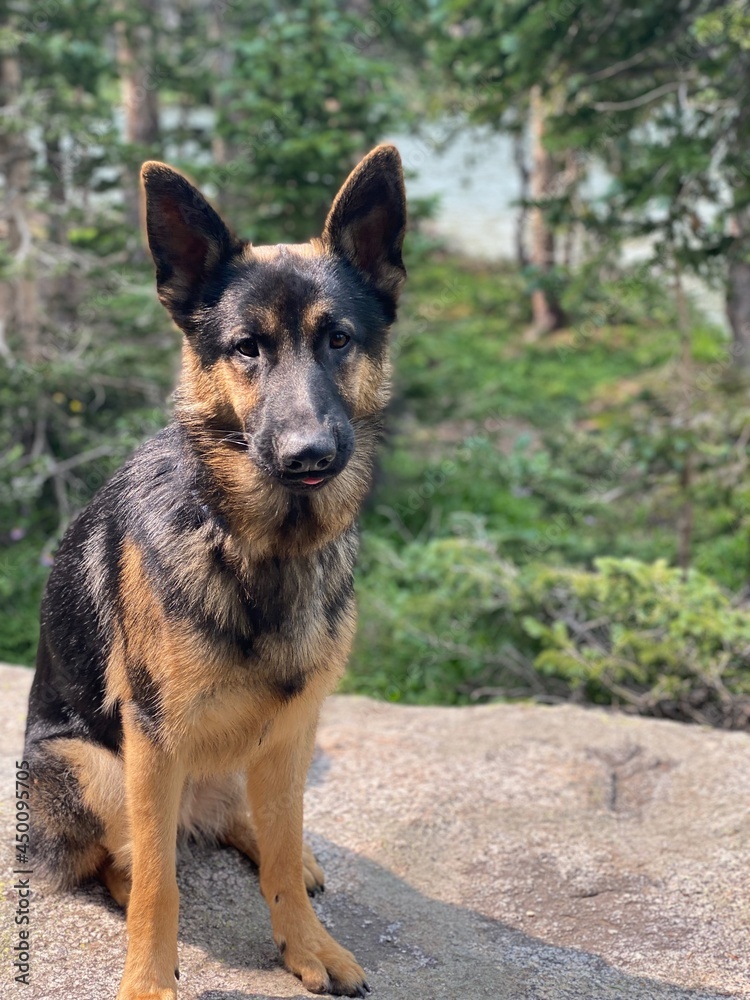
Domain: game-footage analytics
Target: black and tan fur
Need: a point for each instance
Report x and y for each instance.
(201, 607)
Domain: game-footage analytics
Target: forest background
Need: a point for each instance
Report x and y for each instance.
(563, 508)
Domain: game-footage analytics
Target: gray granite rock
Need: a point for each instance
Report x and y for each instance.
(505, 852)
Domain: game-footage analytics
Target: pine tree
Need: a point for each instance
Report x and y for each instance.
(300, 104)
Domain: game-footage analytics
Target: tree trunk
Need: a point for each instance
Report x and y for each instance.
(685, 517)
(519, 155)
(136, 52)
(547, 312)
(569, 184)
(19, 307)
(738, 258)
(222, 68)
(738, 310)
(56, 188)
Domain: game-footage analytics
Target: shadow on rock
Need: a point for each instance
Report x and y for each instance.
(410, 945)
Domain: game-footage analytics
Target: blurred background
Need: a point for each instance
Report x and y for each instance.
(563, 509)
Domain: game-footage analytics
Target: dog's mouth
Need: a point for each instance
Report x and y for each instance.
(305, 482)
(296, 482)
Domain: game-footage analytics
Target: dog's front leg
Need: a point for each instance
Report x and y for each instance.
(276, 783)
(153, 786)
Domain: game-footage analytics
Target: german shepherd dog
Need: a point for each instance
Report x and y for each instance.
(201, 607)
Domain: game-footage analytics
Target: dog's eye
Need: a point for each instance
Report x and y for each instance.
(248, 348)
(339, 340)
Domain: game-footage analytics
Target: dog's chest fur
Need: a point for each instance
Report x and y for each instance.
(273, 613)
(213, 647)
(242, 605)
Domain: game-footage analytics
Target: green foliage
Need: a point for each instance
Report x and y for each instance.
(270, 104)
(520, 540)
(451, 620)
(646, 635)
(430, 616)
(71, 415)
(654, 94)
(491, 506)
(604, 291)
(458, 353)
(23, 572)
(300, 104)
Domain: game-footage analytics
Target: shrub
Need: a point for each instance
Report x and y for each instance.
(450, 620)
(432, 619)
(661, 642)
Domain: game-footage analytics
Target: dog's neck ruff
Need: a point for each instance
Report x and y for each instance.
(261, 516)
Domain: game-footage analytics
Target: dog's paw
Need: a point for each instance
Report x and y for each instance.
(327, 968)
(314, 877)
(119, 884)
(148, 992)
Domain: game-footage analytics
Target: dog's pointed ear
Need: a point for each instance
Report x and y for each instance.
(367, 221)
(187, 239)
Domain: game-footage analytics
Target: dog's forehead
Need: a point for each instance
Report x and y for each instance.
(284, 284)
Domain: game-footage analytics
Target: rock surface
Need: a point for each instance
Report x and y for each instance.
(504, 852)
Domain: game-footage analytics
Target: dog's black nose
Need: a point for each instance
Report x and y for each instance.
(297, 454)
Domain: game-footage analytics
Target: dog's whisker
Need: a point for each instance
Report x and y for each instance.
(222, 431)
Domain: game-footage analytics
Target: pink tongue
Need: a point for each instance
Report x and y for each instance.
(312, 480)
